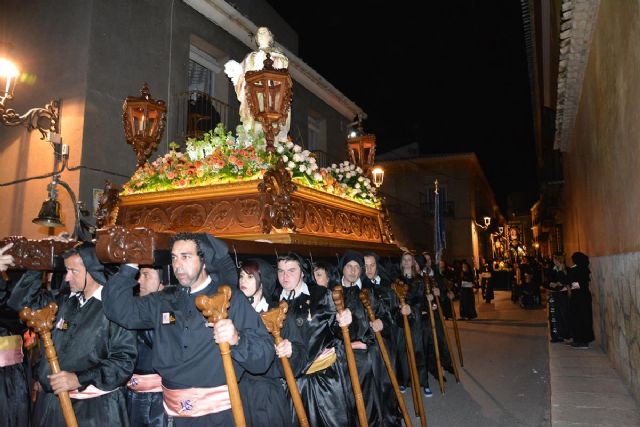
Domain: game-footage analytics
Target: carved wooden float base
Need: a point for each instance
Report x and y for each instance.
(240, 211)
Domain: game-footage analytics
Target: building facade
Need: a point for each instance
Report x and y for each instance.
(409, 186)
(92, 54)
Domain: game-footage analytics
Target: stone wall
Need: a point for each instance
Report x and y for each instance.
(602, 182)
(615, 288)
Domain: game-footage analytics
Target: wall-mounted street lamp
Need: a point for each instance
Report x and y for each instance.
(43, 119)
(487, 223)
(377, 173)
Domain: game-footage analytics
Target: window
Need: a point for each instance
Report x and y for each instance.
(317, 133)
(427, 202)
(202, 70)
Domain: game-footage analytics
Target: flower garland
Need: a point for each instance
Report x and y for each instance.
(220, 157)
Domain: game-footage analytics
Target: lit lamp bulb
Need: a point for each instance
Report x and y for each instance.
(378, 176)
(8, 75)
(487, 221)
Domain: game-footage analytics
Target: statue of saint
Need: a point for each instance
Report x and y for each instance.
(254, 61)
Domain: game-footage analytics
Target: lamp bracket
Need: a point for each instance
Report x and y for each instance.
(33, 118)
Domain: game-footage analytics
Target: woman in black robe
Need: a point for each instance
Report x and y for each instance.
(264, 397)
(580, 314)
(467, 298)
(415, 300)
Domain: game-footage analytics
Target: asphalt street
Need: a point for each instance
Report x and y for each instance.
(505, 378)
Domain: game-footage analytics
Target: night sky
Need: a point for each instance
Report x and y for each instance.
(472, 94)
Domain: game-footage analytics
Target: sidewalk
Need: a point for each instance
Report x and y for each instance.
(587, 391)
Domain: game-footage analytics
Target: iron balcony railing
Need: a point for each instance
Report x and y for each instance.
(199, 112)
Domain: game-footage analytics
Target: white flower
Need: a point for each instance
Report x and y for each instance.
(352, 167)
(302, 168)
(306, 153)
(333, 166)
(357, 186)
(297, 157)
(358, 169)
(340, 177)
(297, 149)
(289, 144)
(285, 159)
(208, 150)
(313, 166)
(360, 179)
(291, 165)
(279, 149)
(317, 176)
(312, 160)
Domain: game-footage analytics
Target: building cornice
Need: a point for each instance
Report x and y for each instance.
(576, 30)
(239, 26)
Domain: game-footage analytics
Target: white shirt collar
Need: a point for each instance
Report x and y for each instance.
(202, 286)
(303, 289)
(262, 306)
(358, 283)
(376, 280)
(97, 294)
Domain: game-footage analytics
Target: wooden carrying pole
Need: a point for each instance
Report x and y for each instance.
(434, 332)
(447, 340)
(338, 299)
(273, 320)
(41, 321)
(364, 297)
(214, 308)
(401, 289)
(455, 326)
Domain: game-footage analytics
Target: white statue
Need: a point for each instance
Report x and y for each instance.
(254, 61)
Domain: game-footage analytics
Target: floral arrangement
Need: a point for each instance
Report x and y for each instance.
(222, 157)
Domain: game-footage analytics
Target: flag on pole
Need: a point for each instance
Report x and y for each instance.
(439, 238)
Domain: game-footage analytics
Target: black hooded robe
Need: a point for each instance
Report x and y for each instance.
(184, 352)
(14, 391)
(98, 351)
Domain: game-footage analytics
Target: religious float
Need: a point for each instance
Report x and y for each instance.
(253, 187)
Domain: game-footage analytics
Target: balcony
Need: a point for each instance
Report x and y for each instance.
(199, 112)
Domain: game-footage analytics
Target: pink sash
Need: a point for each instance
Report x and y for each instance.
(88, 393)
(196, 402)
(10, 350)
(150, 383)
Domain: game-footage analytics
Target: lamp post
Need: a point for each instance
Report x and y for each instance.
(43, 119)
(144, 120)
(268, 93)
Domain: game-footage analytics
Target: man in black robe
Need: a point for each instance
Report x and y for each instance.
(324, 386)
(379, 397)
(144, 394)
(184, 353)
(96, 356)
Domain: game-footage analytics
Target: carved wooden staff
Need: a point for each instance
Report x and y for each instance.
(214, 308)
(273, 320)
(364, 297)
(338, 299)
(434, 334)
(401, 289)
(455, 325)
(446, 337)
(41, 321)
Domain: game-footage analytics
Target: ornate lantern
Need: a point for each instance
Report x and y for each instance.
(361, 148)
(268, 93)
(8, 75)
(144, 120)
